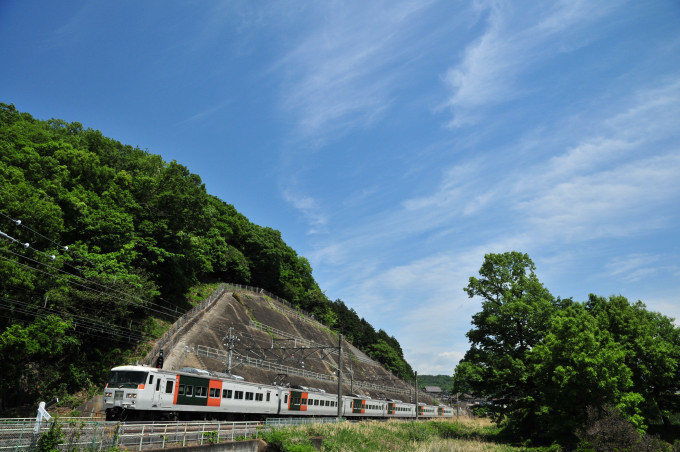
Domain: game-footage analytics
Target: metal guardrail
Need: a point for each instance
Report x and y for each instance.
(214, 353)
(270, 329)
(83, 435)
(291, 421)
(170, 336)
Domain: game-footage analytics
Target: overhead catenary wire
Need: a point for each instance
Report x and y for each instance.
(18, 222)
(84, 286)
(84, 321)
(23, 225)
(26, 245)
(89, 324)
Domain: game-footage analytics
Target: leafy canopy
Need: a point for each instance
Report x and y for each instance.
(545, 364)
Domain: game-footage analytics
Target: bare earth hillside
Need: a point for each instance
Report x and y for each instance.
(270, 333)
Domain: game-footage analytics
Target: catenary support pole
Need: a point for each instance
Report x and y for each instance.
(340, 378)
(416, 389)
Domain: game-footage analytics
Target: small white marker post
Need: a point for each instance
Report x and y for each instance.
(42, 415)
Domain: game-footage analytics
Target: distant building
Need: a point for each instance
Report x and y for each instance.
(434, 391)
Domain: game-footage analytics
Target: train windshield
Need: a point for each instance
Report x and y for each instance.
(127, 377)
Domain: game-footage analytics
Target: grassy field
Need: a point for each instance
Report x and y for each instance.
(442, 435)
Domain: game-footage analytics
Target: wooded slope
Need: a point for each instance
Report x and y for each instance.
(117, 236)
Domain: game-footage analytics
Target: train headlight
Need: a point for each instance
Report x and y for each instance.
(108, 394)
(132, 396)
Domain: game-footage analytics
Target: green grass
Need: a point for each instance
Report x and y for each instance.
(445, 435)
(200, 292)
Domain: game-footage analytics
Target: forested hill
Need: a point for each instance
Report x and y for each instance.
(116, 237)
(445, 382)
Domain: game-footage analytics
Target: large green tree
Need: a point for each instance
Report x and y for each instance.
(547, 365)
(650, 344)
(577, 365)
(516, 311)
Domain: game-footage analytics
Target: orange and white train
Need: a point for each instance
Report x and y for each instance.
(147, 393)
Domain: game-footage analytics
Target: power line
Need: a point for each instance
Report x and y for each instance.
(169, 312)
(52, 257)
(86, 287)
(78, 320)
(76, 317)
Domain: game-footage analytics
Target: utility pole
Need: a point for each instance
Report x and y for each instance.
(457, 406)
(230, 347)
(340, 378)
(416, 389)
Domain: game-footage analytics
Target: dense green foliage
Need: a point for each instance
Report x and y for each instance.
(140, 232)
(545, 363)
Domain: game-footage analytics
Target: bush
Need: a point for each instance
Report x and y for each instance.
(609, 431)
(51, 439)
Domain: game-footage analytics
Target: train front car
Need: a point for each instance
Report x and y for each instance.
(133, 392)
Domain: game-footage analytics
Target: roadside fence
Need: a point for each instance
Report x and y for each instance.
(73, 434)
(170, 336)
(215, 353)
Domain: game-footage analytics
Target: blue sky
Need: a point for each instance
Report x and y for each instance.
(392, 143)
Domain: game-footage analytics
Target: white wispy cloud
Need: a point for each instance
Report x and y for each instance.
(310, 209)
(516, 40)
(617, 183)
(338, 76)
(632, 267)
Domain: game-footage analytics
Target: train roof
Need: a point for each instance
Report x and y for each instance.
(189, 371)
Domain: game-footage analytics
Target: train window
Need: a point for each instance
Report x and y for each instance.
(127, 377)
(189, 391)
(150, 379)
(214, 392)
(226, 393)
(259, 397)
(285, 398)
(238, 395)
(168, 387)
(158, 384)
(201, 391)
(316, 402)
(180, 391)
(268, 395)
(304, 401)
(249, 396)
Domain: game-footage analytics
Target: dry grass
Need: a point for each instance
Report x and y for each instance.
(464, 434)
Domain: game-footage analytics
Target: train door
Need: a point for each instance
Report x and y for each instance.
(297, 401)
(156, 398)
(167, 392)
